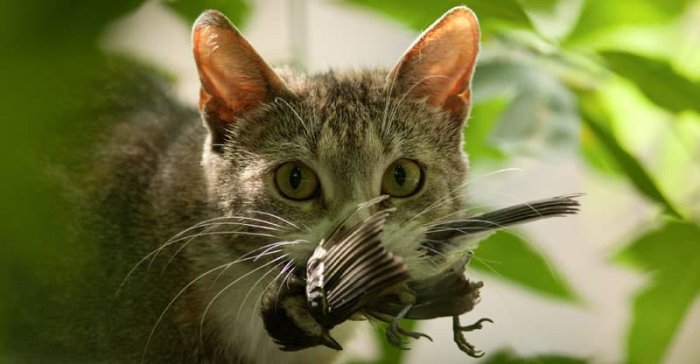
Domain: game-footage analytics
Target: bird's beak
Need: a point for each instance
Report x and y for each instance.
(330, 342)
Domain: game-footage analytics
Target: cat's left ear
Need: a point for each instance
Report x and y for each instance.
(438, 67)
(234, 78)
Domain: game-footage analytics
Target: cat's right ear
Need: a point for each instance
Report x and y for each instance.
(438, 67)
(234, 78)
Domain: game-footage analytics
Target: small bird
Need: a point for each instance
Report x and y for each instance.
(350, 274)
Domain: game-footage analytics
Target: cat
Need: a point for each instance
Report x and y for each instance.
(193, 216)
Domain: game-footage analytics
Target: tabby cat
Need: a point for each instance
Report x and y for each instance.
(195, 216)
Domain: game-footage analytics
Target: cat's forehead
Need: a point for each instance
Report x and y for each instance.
(346, 117)
(347, 108)
(343, 101)
(355, 104)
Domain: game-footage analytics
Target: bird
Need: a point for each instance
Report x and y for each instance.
(351, 275)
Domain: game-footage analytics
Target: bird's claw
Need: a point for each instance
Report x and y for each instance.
(462, 344)
(395, 333)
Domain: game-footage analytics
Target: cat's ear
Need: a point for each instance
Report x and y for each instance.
(234, 78)
(438, 67)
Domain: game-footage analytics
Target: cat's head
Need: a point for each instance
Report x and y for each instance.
(292, 154)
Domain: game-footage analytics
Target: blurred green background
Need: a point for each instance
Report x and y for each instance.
(616, 83)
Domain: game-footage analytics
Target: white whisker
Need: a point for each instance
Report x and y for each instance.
(162, 315)
(213, 222)
(284, 243)
(288, 268)
(250, 290)
(440, 202)
(238, 279)
(267, 251)
(284, 281)
(210, 233)
(449, 197)
(239, 260)
(277, 217)
(262, 292)
(488, 266)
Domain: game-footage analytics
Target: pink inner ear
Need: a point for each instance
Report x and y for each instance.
(234, 77)
(440, 64)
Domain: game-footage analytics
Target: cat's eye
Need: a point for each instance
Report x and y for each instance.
(296, 181)
(403, 178)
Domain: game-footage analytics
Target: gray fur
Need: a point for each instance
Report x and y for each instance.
(158, 174)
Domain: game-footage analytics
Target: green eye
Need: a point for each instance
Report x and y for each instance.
(296, 181)
(402, 179)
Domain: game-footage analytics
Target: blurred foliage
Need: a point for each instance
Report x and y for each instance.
(522, 265)
(476, 134)
(236, 10)
(598, 18)
(592, 114)
(657, 80)
(389, 354)
(420, 14)
(609, 80)
(600, 77)
(672, 255)
(50, 55)
(539, 114)
(506, 357)
(51, 62)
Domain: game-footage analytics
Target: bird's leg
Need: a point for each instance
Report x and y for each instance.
(458, 331)
(394, 332)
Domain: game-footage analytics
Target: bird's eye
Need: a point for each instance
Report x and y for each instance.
(296, 181)
(403, 178)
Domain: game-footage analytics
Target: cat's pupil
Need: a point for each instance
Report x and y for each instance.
(295, 177)
(400, 175)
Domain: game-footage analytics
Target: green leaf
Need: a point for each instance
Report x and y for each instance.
(552, 18)
(515, 260)
(541, 117)
(598, 17)
(507, 357)
(595, 118)
(236, 10)
(595, 154)
(507, 11)
(476, 134)
(419, 14)
(672, 255)
(657, 80)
